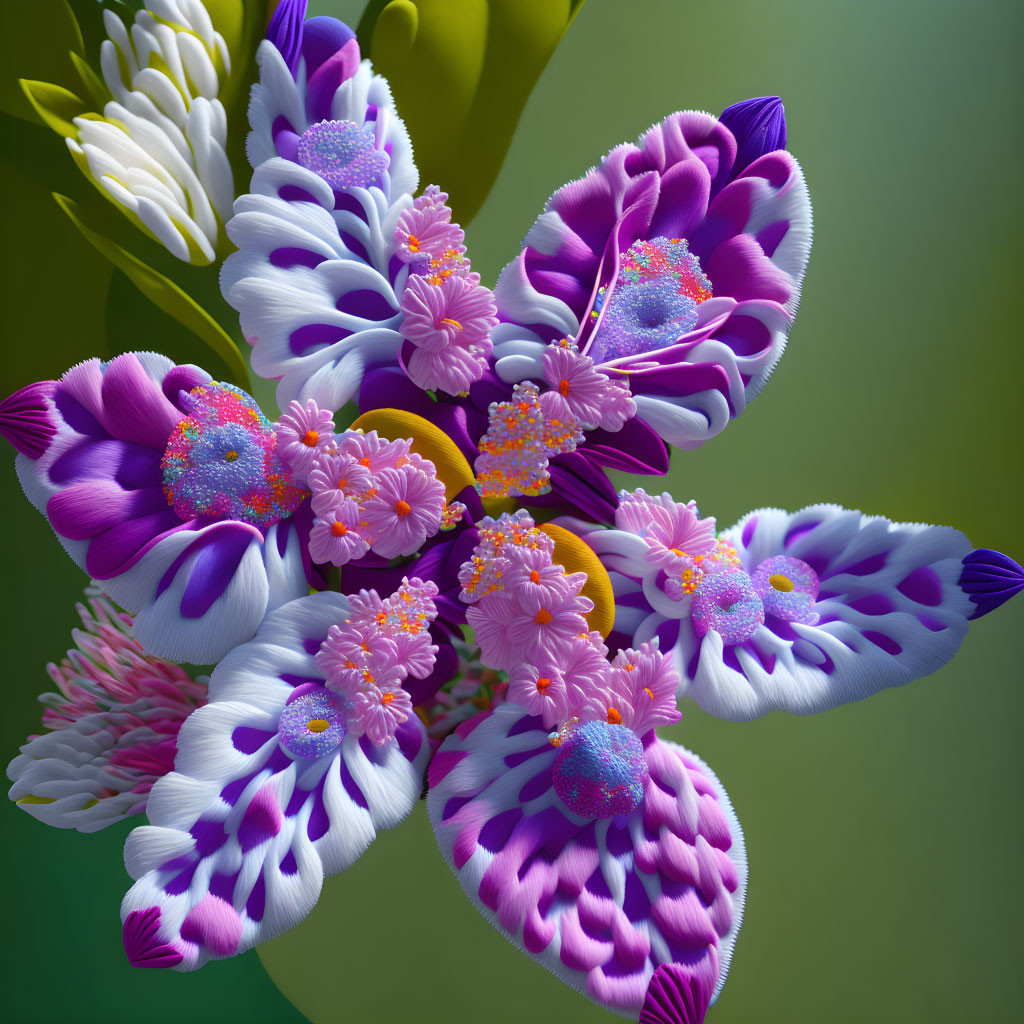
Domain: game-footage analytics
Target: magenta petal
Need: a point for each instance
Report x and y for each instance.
(675, 995)
(134, 406)
(26, 419)
(739, 268)
(85, 510)
(142, 941)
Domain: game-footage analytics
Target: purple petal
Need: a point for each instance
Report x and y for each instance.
(759, 126)
(26, 419)
(990, 578)
(134, 406)
(285, 31)
(675, 995)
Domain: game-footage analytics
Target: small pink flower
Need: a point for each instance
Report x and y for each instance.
(353, 658)
(449, 324)
(533, 580)
(490, 619)
(425, 230)
(378, 711)
(303, 433)
(405, 510)
(541, 691)
(373, 452)
(593, 398)
(416, 654)
(335, 536)
(337, 475)
(646, 677)
(674, 532)
(553, 624)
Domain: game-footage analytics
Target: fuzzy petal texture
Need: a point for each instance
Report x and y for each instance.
(601, 904)
(243, 832)
(890, 610)
(197, 587)
(750, 229)
(313, 279)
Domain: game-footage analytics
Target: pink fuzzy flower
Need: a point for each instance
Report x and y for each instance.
(649, 683)
(674, 532)
(553, 624)
(378, 711)
(404, 511)
(541, 691)
(449, 324)
(335, 536)
(425, 230)
(303, 433)
(533, 580)
(337, 475)
(490, 619)
(590, 395)
(373, 452)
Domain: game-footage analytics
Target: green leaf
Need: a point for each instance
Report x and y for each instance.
(461, 72)
(55, 105)
(164, 293)
(95, 88)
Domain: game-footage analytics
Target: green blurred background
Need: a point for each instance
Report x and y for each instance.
(885, 837)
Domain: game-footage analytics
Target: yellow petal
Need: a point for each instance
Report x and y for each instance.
(576, 556)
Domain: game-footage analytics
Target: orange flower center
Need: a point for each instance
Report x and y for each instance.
(543, 683)
(318, 725)
(403, 508)
(563, 388)
(387, 698)
(614, 718)
(543, 617)
(534, 576)
(310, 438)
(338, 529)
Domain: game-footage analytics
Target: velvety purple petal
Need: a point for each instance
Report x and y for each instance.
(134, 406)
(116, 550)
(85, 510)
(759, 126)
(324, 81)
(132, 466)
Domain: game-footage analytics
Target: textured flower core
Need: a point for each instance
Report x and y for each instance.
(788, 588)
(342, 153)
(727, 603)
(221, 461)
(600, 770)
(312, 725)
(654, 302)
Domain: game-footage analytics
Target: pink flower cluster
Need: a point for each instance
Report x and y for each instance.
(368, 657)
(448, 314)
(527, 617)
(370, 493)
(303, 433)
(581, 391)
(678, 540)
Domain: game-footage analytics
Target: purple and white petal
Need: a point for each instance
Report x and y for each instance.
(244, 830)
(890, 609)
(600, 903)
(748, 230)
(313, 279)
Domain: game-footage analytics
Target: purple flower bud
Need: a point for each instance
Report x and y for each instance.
(285, 31)
(26, 420)
(990, 578)
(759, 126)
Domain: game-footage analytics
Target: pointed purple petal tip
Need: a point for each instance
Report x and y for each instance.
(27, 420)
(759, 126)
(142, 942)
(285, 31)
(990, 578)
(675, 995)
